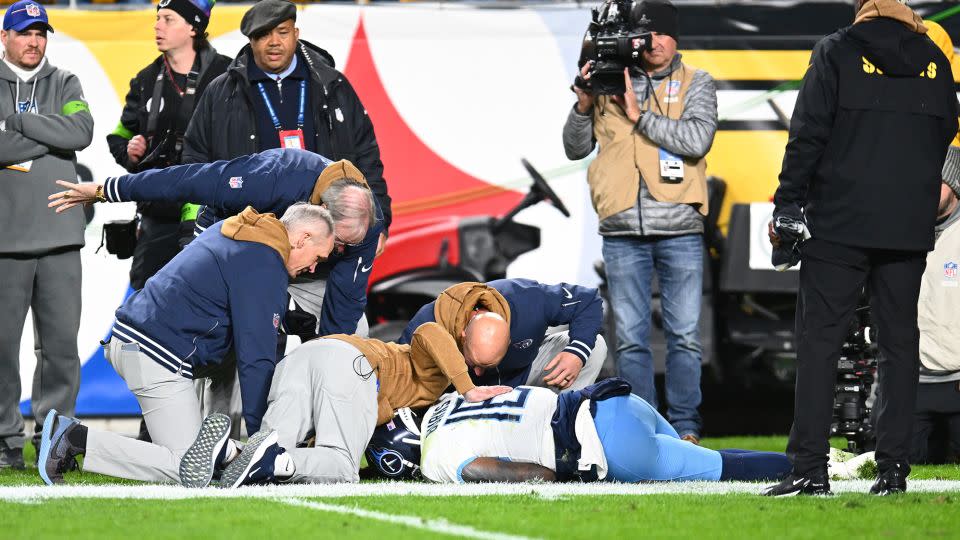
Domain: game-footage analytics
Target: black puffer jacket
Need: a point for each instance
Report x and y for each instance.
(224, 125)
(133, 119)
(874, 116)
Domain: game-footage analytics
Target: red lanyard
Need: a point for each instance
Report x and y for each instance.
(170, 74)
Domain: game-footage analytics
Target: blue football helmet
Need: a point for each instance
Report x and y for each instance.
(394, 449)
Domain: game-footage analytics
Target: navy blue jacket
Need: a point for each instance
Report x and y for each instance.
(533, 308)
(270, 181)
(216, 294)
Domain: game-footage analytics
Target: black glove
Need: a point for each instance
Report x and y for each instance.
(792, 230)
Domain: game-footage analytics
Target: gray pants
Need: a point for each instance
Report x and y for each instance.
(552, 346)
(50, 284)
(220, 391)
(172, 413)
(326, 387)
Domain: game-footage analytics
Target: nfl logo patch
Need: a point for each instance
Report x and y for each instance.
(950, 270)
(33, 10)
(236, 182)
(276, 320)
(673, 88)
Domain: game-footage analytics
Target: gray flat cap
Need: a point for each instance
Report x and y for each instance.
(265, 15)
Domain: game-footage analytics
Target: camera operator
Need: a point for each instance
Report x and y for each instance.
(648, 185)
(157, 111)
(938, 396)
(874, 116)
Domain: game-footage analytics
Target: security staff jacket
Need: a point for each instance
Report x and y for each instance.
(224, 125)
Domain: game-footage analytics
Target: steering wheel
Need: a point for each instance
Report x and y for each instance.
(543, 190)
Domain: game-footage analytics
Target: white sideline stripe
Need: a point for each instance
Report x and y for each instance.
(441, 526)
(380, 489)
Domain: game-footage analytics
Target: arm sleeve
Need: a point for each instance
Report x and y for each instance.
(579, 307)
(578, 139)
(69, 129)
(196, 140)
(692, 134)
(345, 296)
(810, 129)
(225, 185)
(423, 315)
(127, 128)
(257, 301)
(17, 148)
(431, 344)
(367, 150)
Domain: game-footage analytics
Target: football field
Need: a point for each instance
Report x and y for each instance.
(93, 506)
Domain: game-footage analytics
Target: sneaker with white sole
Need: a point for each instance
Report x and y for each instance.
(206, 454)
(799, 485)
(254, 465)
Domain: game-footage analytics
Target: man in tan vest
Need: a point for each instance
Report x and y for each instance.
(648, 185)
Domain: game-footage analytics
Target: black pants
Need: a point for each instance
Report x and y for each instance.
(831, 278)
(936, 428)
(157, 244)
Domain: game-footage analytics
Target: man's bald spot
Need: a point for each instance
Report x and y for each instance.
(487, 335)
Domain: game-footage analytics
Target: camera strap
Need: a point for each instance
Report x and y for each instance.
(184, 112)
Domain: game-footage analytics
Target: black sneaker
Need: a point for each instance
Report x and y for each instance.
(799, 485)
(57, 454)
(11, 458)
(891, 481)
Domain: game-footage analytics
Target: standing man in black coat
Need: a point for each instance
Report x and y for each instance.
(862, 171)
(158, 108)
(255, 106)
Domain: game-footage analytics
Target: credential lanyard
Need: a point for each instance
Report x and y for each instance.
(273, 113)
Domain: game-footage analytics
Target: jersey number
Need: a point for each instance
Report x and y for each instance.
(496, 408)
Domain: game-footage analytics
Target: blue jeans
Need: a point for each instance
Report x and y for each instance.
(678, 262)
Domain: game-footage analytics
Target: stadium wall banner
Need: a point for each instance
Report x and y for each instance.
(458, 95)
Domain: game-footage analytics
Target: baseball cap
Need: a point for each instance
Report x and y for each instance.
(23, 14)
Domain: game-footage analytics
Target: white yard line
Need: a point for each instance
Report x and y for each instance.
(440, 526)
(166, 492)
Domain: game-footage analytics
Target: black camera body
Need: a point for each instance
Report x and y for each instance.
(856, 374)
(615, 39)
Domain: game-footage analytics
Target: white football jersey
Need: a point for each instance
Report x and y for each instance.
(514, 426)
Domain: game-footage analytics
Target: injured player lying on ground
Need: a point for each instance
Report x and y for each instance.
(600, 433)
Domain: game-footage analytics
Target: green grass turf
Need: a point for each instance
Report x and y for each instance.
(665, 516)
(774, 443)
(916, 515)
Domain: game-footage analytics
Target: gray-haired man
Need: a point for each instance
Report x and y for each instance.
(227, 290)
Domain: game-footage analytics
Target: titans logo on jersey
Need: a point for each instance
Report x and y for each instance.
(514, 426)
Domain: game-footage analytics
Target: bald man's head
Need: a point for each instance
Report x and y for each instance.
(485, 341)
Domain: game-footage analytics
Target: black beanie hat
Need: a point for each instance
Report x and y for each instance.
(659, 16)
(192, 13)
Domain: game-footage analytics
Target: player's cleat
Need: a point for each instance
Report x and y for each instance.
(891, 481)
(11, 458)
(848, 466)
(799, 485)
(56, 451)
(254, 465)
(207, 452)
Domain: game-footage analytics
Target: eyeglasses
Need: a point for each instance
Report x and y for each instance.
(342, 244)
